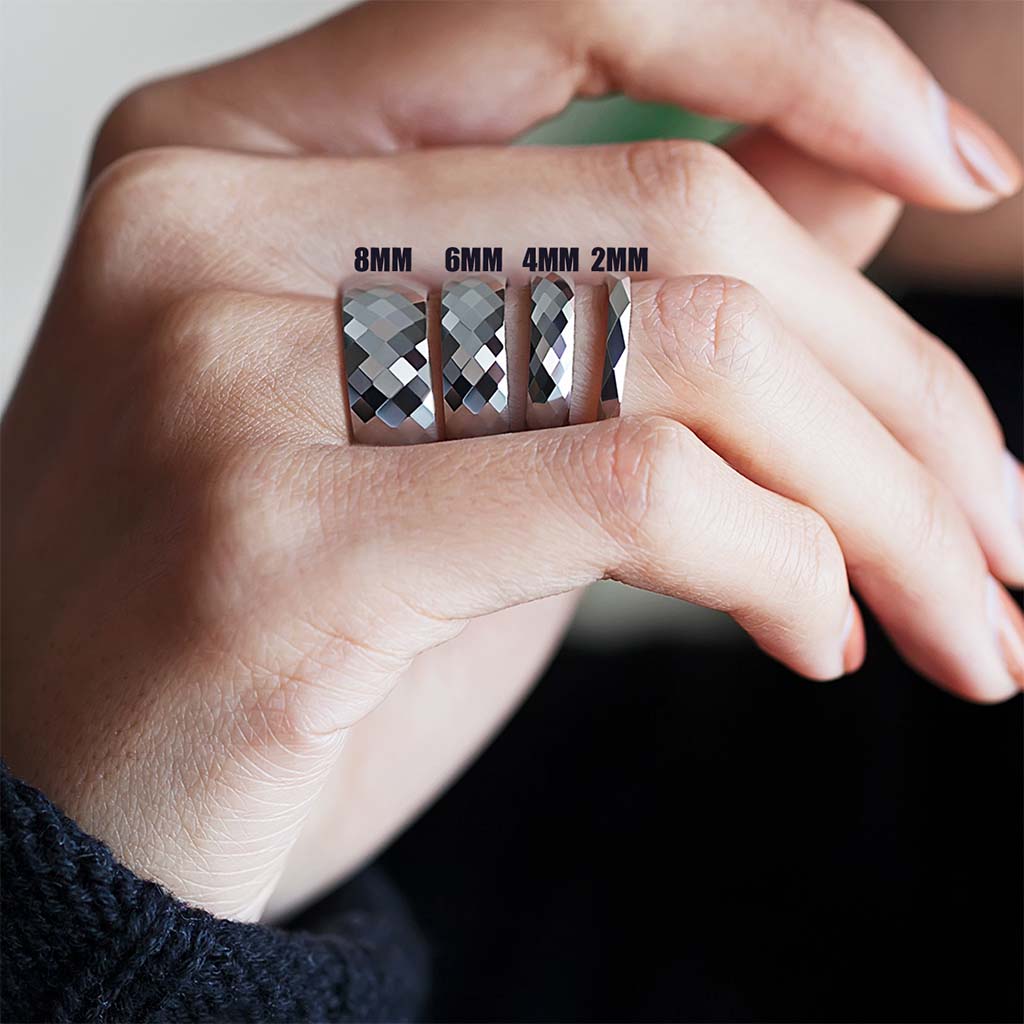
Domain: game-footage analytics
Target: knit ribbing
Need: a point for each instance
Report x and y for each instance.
(84, 939)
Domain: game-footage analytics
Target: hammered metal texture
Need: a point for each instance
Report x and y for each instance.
(387, 364)
(474, 363)
(552, 323)
(616, 347)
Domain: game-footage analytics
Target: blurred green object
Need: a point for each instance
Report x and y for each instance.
(620, 119)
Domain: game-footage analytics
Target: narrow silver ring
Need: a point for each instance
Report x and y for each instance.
(474, 361)
(552, 327)
(387, 364)
(616, 347)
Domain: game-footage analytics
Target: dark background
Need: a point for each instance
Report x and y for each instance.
(679, 834)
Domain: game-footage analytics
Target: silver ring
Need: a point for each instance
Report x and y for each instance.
(474, 362)
(552, 326)
(616, 347)
(387, 364)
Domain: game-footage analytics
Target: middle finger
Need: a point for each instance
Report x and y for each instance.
(709, 352)
(294, 224)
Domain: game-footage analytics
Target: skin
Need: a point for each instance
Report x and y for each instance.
(981, 251)
(245, 652)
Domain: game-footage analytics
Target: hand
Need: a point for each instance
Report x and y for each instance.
(214, 590)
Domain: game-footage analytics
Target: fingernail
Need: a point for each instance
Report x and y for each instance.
(1008, 622)
(1013, 478)
(854, 640)
(983, 155)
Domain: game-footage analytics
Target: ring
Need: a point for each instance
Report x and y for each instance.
(474, 363)
(387, 364)
(387, 330)
(552, 324)
(616, 347)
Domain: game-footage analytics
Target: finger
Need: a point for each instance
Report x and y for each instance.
(446, 532)
(687, 202)
(710, 352)
(849, 217)
(325, 91)
(487, 523)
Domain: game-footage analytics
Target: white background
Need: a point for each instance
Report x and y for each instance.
(63, 63)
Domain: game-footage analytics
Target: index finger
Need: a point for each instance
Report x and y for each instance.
(828, 76)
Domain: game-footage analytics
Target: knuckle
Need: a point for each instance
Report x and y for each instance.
(814, 564)
(138, 197)
(195, 377)
(671, 176)
(826, 566)
(829, 30)
(828, 20)
(715, 324)
(946, 397)
(932, 523)
(640, 480)
(934, 379)
(138, 179)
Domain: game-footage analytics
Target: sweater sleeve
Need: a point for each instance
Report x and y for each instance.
(84, 939)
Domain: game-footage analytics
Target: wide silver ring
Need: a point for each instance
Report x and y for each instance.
(474, 361)
(387, 364)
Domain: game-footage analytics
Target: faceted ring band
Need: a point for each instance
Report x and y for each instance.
(398, 395)
(552, 330)
(616, 347)
(474, 363)
(387, 364)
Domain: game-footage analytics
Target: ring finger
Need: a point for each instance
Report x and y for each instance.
(919, 566)
(710, 354)
(293, 226)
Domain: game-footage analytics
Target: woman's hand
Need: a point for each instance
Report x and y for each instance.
(209, 590)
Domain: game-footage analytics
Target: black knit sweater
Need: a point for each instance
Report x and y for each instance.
(84, 939)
